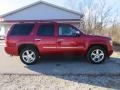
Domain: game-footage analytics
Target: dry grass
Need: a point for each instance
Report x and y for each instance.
(110, 32)
(116, 47)
(116, 36)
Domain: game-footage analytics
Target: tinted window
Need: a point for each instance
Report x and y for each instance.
(46, 30)
(22, 29)
(66, 30)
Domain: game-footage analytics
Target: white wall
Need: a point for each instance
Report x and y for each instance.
(42, 12)
(2, 31)
(4, 27)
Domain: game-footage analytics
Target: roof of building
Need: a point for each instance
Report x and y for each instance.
(44, 2)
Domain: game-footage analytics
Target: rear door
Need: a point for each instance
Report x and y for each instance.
(46, 39)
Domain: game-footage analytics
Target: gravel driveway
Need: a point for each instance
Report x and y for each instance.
(67, 82)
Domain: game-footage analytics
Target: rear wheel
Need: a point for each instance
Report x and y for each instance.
(29, 55)
(96, 55)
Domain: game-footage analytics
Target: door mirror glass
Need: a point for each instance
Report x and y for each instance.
(77, 33)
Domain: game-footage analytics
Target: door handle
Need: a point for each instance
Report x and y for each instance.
(38, 39)
(60, 40)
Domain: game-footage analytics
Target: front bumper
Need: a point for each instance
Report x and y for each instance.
(110, 49)
(110, 52)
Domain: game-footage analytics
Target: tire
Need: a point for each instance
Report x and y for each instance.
(96, 55)
(29, 55)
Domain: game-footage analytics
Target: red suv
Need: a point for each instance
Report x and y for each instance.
(32, 40)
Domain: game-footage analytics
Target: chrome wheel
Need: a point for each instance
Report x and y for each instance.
(97, 55)
(28, 56)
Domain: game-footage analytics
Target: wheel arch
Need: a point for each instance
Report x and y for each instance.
(100, 45)
(22, 46)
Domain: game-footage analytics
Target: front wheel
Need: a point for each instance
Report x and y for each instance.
(96, 55)
(29, 55)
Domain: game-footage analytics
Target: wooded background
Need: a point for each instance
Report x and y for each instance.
(100, 17)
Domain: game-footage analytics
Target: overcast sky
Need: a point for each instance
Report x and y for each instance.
(10, 5)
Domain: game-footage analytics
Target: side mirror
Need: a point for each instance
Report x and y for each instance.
(77, 34)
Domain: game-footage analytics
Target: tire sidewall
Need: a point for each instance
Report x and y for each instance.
(91, 50)
(32, 49)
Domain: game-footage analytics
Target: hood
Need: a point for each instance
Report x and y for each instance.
(96, 36)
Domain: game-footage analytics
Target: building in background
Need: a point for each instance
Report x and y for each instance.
(43, 12)
(4, 27)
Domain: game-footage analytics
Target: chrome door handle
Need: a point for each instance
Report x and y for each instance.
(38, 39)
(59, 40)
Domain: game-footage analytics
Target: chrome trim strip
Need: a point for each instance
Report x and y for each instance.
(50, 47)
(70, 47)
(64, 47)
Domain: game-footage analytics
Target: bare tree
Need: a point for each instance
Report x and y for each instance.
(98, 14)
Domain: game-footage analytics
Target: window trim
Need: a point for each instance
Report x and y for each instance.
(70, 26)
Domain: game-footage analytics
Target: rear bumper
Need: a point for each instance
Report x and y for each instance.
(11, 50)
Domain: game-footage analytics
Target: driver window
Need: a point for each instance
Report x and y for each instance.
(66, 30)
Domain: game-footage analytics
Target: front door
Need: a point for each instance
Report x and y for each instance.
(69, 41)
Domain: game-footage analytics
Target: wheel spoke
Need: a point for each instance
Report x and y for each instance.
(93, 54)
(97, 55)
(28, 56)
(94, 58)
(97, 51)
(31, 57)
(27, 52)
(29, 60)
(101, 54)
(24, 56)
(31, 54)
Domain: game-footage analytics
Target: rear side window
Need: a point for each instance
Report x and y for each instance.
(46, 30)
(21, 29)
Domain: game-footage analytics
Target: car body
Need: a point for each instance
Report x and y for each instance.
(54, 39)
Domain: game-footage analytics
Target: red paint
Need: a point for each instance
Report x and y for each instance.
(69, 45)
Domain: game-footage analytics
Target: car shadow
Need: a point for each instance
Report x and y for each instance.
(61, 67)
